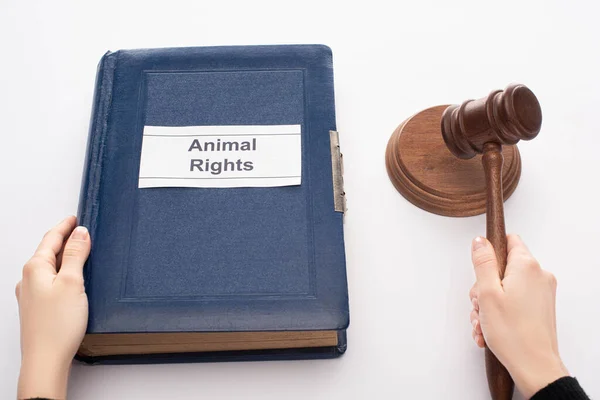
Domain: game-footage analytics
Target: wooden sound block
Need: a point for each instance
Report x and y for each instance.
(428, 175)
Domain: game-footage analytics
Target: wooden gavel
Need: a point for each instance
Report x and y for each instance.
(483, 126)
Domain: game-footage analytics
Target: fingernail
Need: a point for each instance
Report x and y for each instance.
(80, 233)
(479, 340)
(474, 323)
(475, 303)
(479, 243)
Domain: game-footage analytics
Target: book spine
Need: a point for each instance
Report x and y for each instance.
(87, 211)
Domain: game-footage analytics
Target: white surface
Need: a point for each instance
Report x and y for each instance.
(221, 156)
(409, 271)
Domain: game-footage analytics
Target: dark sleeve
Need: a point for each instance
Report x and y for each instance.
(566, 388)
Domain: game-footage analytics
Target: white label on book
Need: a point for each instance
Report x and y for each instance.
(221, 156)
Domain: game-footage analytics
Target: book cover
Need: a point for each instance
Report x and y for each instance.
(211, 197)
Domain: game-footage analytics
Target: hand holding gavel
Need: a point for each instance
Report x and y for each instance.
(483, 126)
(430, 159)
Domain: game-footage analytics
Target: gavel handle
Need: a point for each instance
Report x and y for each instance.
(499, 380)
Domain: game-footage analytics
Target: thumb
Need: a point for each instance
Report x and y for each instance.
(75, 252)
(486, 266)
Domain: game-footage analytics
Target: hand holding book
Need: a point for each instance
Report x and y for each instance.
(53, 310)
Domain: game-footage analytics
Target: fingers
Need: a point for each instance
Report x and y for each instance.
(479, 341)
(18, 290)
(473, 292)
(486, 268)
(488, 282)
(53, 240)
(473, 297)
(516, 247)
(477, 333)
(514, 241)
(75, 253)
(519, 257)
(475, 321)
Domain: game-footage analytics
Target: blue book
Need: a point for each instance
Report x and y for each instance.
(213, 194)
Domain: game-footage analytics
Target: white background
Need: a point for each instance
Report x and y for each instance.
(409, 271)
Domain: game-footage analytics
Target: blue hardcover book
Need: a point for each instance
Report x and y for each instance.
(212, 192)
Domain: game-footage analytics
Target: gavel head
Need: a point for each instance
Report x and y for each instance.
(503, 117)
